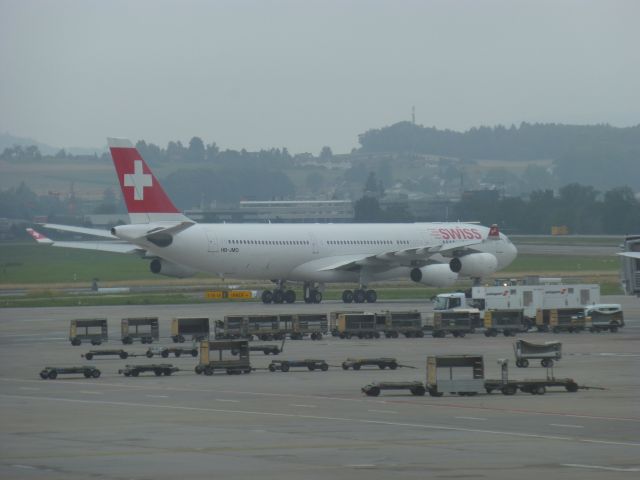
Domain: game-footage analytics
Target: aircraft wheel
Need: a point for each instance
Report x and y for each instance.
(347, 296)
(371, 296)
(317, 296)
(278, 296)
(267, 296)
(290, 296)
(359, 296)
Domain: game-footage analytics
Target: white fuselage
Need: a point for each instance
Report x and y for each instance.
(307, 252)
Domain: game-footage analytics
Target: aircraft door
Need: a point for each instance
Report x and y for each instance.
(213, 241)
(314, 243)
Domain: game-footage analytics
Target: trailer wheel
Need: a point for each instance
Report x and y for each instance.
(198, 369)
(167, 372)
(613, 328)
(571, 387)
(539, 390)
(455, 334)
(345, 366)
(126, 340)
(546, 362)
(87, 374)
(284, 367)
(509, 390)
(525, 363)
(461, 334)
(419, 391)
(433, 392)
(356, 366)
(75, 342)
(393, 365)
(135, 373)
(488, 390)
(180, 339)
(208, 371)
(194, 353)
(44, 374)
(487, 333)
(373, 391)
(177, 353)
(324, 367)
(420, 334)
(123, 355)
(126, 373)
(53, 374)
(272, 367)
(382, 366)
(89, 356)
(95, 373)
(311, 367)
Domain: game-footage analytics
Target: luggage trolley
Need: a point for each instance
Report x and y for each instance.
(92, 329)
(547, 352)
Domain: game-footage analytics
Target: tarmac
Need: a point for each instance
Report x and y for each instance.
(310, 425)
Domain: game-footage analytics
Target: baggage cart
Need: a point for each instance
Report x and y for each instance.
(313, 325)
(158, 369)
(164, 352)
(333, 320)
(407, 323)
(195, 328)
(308, 363)
(604, 316)
(570, 320)
(93, 330)
(547, 353)
(381, 363)
(507, 321)
(53, 372)
(374, 389)
(456, 322)
(145, 329)
(361, 325)
(455, 374)
(266, 327)
(106, 353)
(219, 355)
(532, 386)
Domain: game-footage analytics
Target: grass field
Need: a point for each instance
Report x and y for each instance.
(44, 271)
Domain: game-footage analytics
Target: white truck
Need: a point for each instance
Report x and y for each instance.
(529, 298)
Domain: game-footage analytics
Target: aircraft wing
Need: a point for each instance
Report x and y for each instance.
(114, 246)
(630, 254)
(83, 230)
(394, 258)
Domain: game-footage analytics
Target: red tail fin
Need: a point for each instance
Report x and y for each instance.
(146, 200)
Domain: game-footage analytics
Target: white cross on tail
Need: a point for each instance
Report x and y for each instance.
(138, 180)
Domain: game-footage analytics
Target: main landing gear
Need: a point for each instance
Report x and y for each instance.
(311, 294)
(279, 295)
(359, 295)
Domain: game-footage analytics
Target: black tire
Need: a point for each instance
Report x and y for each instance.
(317, 296)
(420, 334)
(89, 356)
(167, 372)
(177, 353)
(267, 297)
(149, 354)
(278, 296)
(126, 340)
(95, 373)
(126, 374)
(198, 370)
(382, 366)
(373, 391)
(393, 366)
(135, 373)
(123, 355)
(208, 371)
(356, 366)
(44, 374)
(418, 391)
(546, 362)
(76, 342)
(157, 372)
(487, 333)
(87, 374)
(284, 367)
(180, 339)
(571, 387)
(311, 367)
(539, 390)
(359, 296)
(345, 366)
(613, 328)
(164, 353)
(324, 367)
(347, 296)
(461, 334)
(371, 296)
(290, 296)
(194, 353)
(525, 363)
(518, 363)
(272, 367)
(509, 390)
(434, 392)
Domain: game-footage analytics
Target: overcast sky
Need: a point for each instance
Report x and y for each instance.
(302, 74)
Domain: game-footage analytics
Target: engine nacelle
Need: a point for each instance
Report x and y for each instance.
(474, 264)
(170, 269)
(437, 275)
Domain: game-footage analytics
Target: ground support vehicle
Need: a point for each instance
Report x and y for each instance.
(381, 363)
(547, 353)
(567, 320)
(53, 372)
(164, 352)
(333, 320)
(93, 330)
(313, 325)
(264, 327)
(219, 355)
(361, 325)
(407, 323)
(107, 353)
(604, 316)
(532, 386)
(183, 328)
(157, 368)
(461, 374)
(374, 389)
(145, 329)
(630, 271)
(456, 322)
(506, 321)
(310, 364)
(266, 349)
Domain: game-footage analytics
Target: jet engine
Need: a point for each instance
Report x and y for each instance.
(436, 275)
(170, 269)
(474, 264)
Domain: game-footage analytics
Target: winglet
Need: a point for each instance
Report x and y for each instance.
(38, 237)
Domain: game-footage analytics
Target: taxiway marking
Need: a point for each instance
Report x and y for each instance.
(600, 467)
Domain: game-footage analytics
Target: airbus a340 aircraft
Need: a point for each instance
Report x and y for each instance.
(434, 254)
